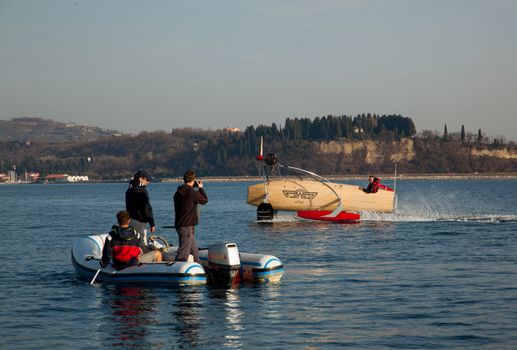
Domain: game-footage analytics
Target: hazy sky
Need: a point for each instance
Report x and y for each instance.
(158, 65)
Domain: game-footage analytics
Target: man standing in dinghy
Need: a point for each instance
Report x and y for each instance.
(138, 204)
(186, 200)
(124, 246)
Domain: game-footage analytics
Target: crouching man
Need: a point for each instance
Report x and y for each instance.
(125, 246)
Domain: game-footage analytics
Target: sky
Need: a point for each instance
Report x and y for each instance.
(157, 65)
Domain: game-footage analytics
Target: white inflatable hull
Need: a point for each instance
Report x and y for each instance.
(87, 251)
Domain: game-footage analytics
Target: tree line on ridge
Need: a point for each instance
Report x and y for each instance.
(300, 143)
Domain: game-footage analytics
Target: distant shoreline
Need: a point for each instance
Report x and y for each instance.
(363, 177)
(502, 176)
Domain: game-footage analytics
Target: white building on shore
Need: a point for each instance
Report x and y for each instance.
(63, 178)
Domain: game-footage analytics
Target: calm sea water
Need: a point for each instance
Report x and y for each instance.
(440, 273)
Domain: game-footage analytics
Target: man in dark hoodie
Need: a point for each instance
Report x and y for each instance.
(186, 200)
(124, 246)
(138, 204)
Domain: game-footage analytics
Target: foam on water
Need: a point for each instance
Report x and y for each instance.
(279, 219)
(415, 215)
(485, 201)
(483, 218)
(421, 216)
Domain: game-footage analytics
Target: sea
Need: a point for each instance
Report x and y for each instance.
(440, 273)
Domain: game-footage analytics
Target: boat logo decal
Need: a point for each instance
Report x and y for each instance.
(299, 193)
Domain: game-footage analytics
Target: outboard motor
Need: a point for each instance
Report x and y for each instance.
(224, 263)
(265, 212)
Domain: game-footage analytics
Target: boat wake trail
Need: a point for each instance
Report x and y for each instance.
(483, 218)
(279, 219)
(424, 217)
(407, 217)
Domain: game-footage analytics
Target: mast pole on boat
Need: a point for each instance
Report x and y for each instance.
(395, 187)
(265, 210)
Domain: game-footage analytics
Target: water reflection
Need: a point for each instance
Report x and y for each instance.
(187, 317)
(288, 223)
(380, 229)
(233, 317)
(269, 302)
(132, 310)
(227, 303)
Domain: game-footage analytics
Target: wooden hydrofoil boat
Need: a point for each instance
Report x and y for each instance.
(312, 196)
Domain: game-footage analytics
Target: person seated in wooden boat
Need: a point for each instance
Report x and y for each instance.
(124, 246)
(373, 185)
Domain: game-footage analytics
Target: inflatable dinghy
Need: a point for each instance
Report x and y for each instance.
(220, 263)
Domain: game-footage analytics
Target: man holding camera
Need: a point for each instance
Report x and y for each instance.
(186, 200)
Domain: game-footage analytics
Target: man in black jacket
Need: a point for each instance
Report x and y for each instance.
(138, 204)
(186, 200)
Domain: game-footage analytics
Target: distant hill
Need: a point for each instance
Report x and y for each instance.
(330, 145)
(37, 129)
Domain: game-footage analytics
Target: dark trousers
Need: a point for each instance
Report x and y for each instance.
(187, 244)
(139, 226)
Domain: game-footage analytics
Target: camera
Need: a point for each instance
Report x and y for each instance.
(271, 159)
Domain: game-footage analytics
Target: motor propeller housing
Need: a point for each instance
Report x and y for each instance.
(265, 211)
